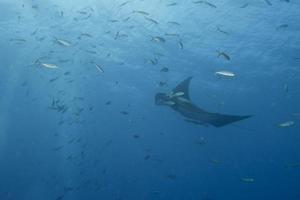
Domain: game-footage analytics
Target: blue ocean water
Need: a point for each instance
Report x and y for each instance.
(78, 81)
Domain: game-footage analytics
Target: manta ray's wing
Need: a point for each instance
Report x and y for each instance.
(219, 120)
(183, 87)
(193, 112)
(196, 114)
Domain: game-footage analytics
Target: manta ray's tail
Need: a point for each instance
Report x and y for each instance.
(220, 120)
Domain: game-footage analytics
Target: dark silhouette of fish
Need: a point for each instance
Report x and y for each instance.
(179, 100)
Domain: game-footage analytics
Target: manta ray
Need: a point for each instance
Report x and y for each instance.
(179, 100)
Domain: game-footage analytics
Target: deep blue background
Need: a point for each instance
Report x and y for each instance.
(92, 151)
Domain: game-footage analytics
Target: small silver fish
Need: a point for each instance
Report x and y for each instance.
(205, 2)
(63, 42)
(151, 20)
(172, 34)
(268, 2)
(158, 39)
(174, 23)
(170, 103)
(247, 180)
(100, 69)
(17, 40)
(222, 31)
(123, 4)
(282, 26)
(177, 94)
(286, 87)
(184, 100)
(172, 4)
(225, 74)
(286, 124)
(180, 45)
(141, 12)
(223, 54)
(48, 65)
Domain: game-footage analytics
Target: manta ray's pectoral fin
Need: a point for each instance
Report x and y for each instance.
(184, 88)
(219, 120)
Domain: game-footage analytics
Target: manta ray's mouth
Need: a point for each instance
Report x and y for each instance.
(160, 99)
